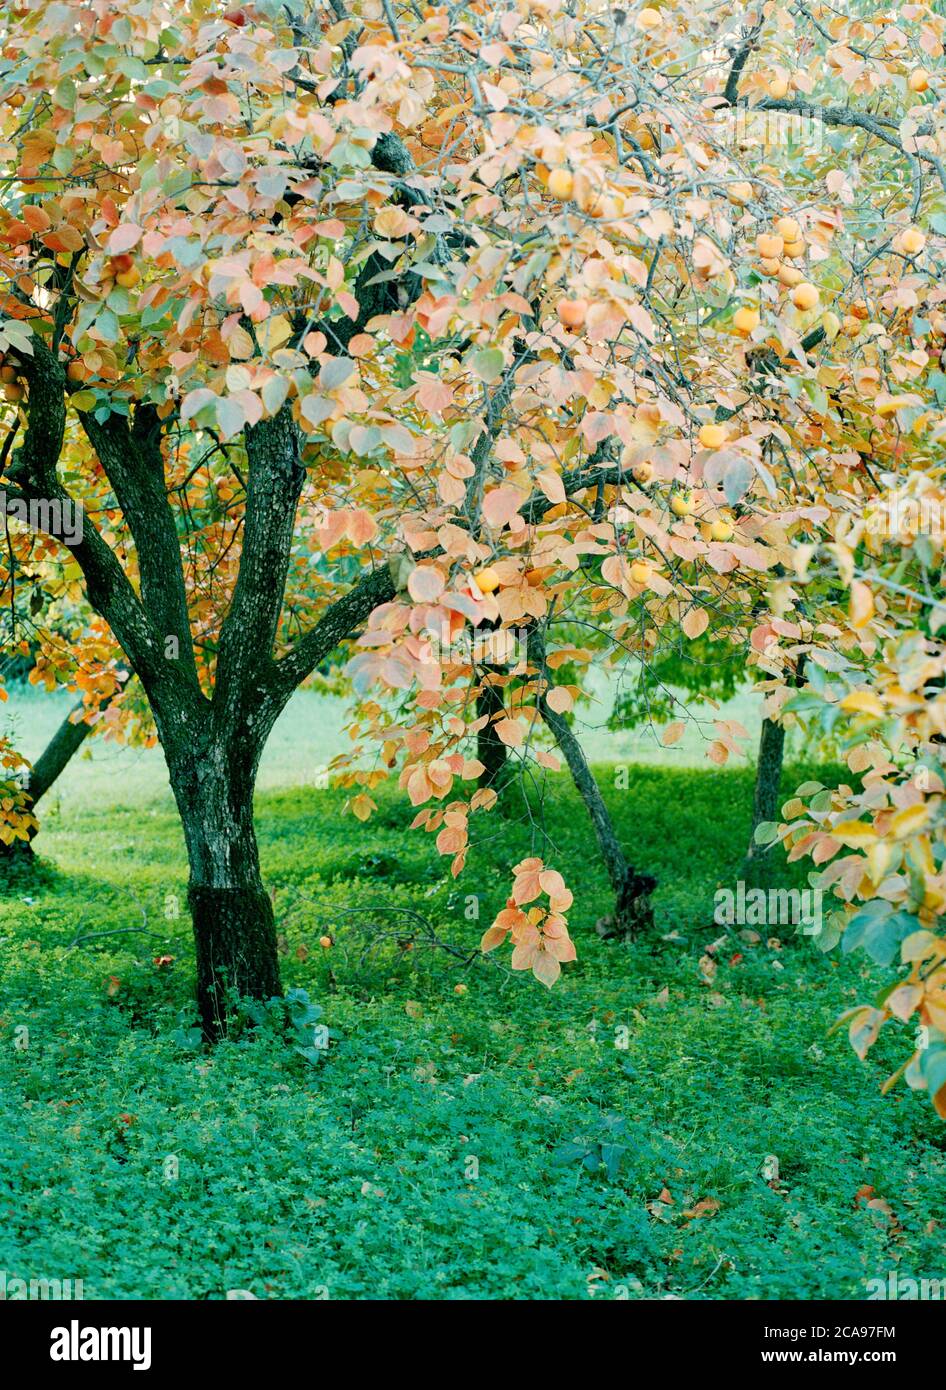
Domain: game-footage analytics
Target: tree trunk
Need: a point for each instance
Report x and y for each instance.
(633, 911)
(765, 801)
(490, 749)
(234, 927)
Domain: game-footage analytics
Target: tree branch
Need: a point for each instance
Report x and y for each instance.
(34, 471)
(131, 456)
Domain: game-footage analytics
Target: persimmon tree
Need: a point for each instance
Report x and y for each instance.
(405, 326)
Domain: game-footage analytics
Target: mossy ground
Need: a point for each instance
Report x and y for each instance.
(429, 1154)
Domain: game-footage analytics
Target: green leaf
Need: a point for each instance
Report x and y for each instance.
(488, 364)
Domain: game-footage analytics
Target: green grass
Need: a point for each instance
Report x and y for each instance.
(356, 1177)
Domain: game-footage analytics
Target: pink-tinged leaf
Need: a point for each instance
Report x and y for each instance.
(825, 849)
(904, 1000)
(673, 733)
(425, 584)
(123, 238)
(451, 840)
(762, 636)
(614, 570)
(331, 530)
(493, 936)
(497, 98)
(546, 968)
(559, 699)
(560, 897)
(501, 505)
(398, 674)
(639, 318)
(695, 622)
(361, 527)
(523, 955)
(597, 425)
(555, 928)
(434, 396)
(509, 732)
(552, 485)
(251, 297)
(526, 886)
(195, 401)
(561, 947)
(551, 882)
(510, 919)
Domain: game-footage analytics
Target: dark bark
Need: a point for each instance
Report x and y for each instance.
(235, 937)
(245, 658)
(490, 749)
(234, 928)
(766, 793)
(130, 454)
(765, 801)
(633, 911)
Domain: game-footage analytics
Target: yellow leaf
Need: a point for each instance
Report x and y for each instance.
(273, 332)
(854, 833)
(862, 702)
(862, 604)
(909, 820)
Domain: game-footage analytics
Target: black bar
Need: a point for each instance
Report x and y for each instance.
(280, 1337)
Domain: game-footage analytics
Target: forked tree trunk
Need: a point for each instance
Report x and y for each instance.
(765, 801)
(633, 910)
(234, 927)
